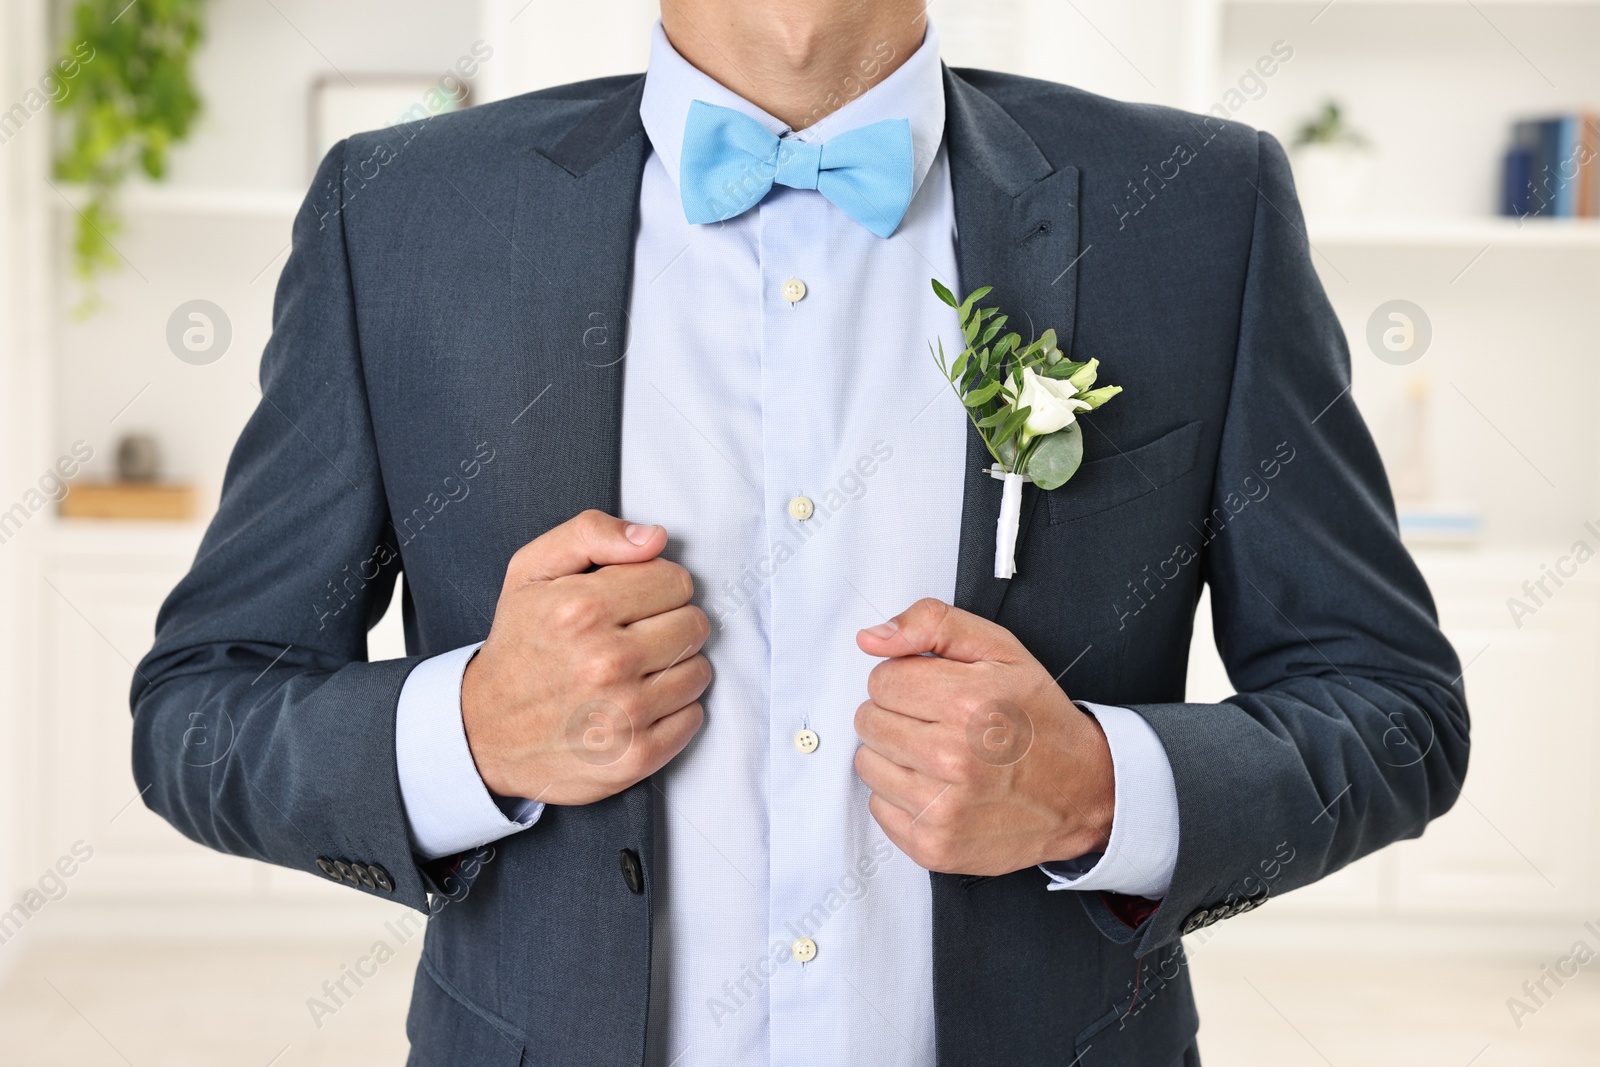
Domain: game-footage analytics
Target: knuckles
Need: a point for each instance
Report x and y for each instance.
(609, 665)
(575, 610)
(591, 525)
(928, 613)
(952, 763)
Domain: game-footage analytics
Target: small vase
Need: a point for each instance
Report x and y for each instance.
(1332, 180)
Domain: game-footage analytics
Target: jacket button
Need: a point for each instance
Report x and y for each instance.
(325, 865)
(347, 873)
(632, 871)
(364, 875)
(381, 876)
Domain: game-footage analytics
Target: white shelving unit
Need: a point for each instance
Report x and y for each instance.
(1436, 84)
(1399, 233)
(143, 199)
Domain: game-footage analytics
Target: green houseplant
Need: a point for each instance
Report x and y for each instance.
(1333, 163)
(127, 108)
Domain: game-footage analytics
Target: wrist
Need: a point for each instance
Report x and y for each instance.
(1088, 803)
(478, 700)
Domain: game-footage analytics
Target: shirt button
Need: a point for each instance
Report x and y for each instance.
(807, 741)
(801, 508)
(794, 290)
(804, 949)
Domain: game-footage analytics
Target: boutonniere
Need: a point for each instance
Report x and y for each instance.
(1024, 400)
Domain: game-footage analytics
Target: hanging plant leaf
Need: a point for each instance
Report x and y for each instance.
(130, 100)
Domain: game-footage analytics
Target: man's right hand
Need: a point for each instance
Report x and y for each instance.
(590, 680)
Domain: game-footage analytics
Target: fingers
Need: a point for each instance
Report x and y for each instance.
(924, 687)
(670, 734)
(931, 625)
(634, 591)
(898, 738)
(895, 822)
(591, 538)
(669, 638)
(899, 786)
(664, 692)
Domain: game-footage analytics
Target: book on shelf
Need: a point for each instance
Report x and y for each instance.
(1551, 169)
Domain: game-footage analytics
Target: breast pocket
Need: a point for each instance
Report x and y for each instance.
(1111, 481)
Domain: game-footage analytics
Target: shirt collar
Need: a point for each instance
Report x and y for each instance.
(915, 92)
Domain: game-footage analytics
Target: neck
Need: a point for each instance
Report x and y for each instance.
(798, 60)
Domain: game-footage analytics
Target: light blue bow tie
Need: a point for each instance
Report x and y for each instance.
(730, 161)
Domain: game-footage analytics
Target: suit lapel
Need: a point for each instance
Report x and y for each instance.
(577, 209)
(1017, 230)
(576, 216)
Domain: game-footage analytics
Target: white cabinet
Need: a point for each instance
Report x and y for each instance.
(105, 585)
(1522, 839)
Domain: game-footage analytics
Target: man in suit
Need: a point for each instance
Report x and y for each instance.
(719, 743)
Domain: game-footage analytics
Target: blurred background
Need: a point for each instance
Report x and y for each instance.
(1444, 156)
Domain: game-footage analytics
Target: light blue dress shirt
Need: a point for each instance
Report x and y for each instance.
(742, 396)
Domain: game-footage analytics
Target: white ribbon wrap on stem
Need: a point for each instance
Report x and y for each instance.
(1005, 533)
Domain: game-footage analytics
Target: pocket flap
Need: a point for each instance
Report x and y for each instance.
(1114, 480)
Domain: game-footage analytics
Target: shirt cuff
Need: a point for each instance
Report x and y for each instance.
(1143, 850)
(448, 808)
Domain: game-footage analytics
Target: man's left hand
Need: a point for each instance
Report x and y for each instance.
(977, 761)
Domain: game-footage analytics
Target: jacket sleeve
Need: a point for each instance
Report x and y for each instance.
(259, 727)
(1349, 730)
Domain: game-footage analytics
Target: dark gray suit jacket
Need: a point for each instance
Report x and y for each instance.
(448, 273)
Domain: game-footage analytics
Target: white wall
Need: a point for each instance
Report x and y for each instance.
(24, 396)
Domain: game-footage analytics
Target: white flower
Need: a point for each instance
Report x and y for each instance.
(1054, 404)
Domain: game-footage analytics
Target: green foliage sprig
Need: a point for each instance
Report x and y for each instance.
(1022, 398)
(127, 109)
(1329, 126)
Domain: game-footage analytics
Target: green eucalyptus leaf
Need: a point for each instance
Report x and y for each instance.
(988, 335)
(1047, 340)
(943, 293)
(1008, 455)
(970, 330)
(1056, 457)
